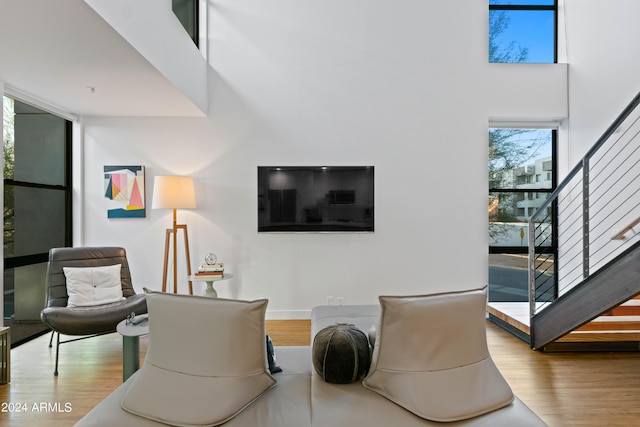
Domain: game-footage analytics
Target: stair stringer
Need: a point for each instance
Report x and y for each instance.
(604, 290)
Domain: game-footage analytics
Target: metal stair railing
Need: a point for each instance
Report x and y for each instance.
(595, 208)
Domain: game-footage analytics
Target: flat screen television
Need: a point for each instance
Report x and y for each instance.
(315, 198)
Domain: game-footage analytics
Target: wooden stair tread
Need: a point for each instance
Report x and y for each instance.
(606, 319)
(623, 311)
(629, 308)
(600, 336)
(613, 323)
(604, 329)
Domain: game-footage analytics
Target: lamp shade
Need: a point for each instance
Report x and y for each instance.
(173, 192)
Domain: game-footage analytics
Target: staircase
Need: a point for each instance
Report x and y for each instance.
(584, 253)
(615, 330)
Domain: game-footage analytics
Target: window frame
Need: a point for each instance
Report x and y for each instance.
(534, 8)
(37, 258)
(195, 15)
(521, 193)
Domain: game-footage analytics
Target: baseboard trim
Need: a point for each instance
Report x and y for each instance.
(288, 314)
(510, 328)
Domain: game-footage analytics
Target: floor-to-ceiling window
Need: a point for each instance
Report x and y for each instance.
(37, 208)
(521, 176)
(521, 161)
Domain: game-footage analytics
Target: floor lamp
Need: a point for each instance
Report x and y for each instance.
(174, 192)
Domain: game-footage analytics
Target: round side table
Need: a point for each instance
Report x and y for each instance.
(131, 344)
(209, 290)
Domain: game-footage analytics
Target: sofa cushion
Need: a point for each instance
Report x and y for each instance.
(205, 363)
(431, 357)
(287, 404)
(88, 286)
(341, 354)
(352, 405)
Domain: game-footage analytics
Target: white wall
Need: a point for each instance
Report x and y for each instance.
(403, 86)
(602, 41)
(161, 40)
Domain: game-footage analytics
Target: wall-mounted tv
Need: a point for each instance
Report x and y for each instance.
(315, 198)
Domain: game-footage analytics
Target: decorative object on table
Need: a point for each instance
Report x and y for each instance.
(124, 190)
(210, 270)
(211, 258)
(341, 354)
(132, 319)
(211, 267)
(174, 192)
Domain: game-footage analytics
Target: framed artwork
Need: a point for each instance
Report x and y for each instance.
(124, 191)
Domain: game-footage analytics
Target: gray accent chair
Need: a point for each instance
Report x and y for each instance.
(93, 320)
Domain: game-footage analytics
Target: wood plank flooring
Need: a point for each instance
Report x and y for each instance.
(564, 389)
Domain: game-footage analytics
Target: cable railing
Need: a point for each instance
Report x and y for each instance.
(591, 218)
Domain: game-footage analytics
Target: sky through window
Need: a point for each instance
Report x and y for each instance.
(525, 29)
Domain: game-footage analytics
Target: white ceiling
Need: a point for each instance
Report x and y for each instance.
(63, 53)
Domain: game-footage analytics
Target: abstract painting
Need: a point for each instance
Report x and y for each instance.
(124, 191)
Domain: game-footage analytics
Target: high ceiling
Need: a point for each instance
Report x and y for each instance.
(63, 53)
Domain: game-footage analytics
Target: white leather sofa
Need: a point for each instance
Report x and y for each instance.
(182, 379)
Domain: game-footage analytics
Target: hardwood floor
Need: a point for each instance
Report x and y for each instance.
(564, 389)
(570, 389)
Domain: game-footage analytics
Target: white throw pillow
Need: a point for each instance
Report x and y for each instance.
(431, 357)
(87, 286)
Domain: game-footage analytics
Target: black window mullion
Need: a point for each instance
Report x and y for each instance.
(522, 7)
(35, 185)
(24, 260)
(68, 158)
(521, 190)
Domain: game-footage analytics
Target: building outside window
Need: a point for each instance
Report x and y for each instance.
(516, 157)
